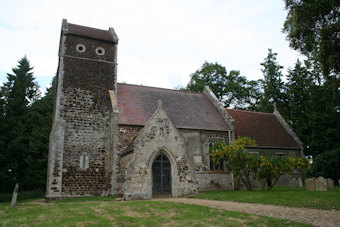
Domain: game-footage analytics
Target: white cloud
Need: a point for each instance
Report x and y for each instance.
(161, 42)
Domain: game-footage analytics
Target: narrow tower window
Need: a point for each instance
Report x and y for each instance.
(84, 161)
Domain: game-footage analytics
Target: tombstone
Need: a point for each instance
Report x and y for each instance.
(294, 183)
(15, 195)
(310, 184)
(321, 184)
(300, 181)
(330, 183)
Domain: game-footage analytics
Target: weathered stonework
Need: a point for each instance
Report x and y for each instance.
(321, 184)
(310, 184)
(159, 135)
(330, 183)
(81, 156)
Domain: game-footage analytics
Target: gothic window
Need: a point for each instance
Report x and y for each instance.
(213, 165)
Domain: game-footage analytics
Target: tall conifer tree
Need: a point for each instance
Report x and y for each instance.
(19, 93)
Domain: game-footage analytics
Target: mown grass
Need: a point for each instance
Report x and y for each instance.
(87, 199)
(134, 213)
(283, 196)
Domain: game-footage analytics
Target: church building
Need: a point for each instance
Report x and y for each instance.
(110, 138)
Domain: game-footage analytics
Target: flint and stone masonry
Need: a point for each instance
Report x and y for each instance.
(129, 140)
(81, 154)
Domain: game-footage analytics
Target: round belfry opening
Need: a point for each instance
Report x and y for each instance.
(161, 175)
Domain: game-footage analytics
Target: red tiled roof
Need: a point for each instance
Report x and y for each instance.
(264, 128)
(137, 104)
(90, 32)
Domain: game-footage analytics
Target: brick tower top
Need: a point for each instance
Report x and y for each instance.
(94, 33)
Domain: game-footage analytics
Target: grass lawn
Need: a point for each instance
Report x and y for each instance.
(97, 212)
(284, 196)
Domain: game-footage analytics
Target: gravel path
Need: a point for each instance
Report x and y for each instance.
(305, 215)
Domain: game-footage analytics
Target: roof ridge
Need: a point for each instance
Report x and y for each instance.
(87, 27)
(250, 111)
(160, 88)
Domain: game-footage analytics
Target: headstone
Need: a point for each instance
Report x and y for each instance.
(310, 184)
(294, 183)
(300, 181)
(330, 183)
(15, 195)
(321, 184)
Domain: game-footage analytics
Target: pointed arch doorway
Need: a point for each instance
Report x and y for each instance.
(161, 175)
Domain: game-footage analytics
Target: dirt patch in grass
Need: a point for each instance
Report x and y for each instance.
(241, 221)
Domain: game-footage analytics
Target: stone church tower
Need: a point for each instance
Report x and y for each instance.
(81, 154)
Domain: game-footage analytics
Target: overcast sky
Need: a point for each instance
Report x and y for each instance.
(160, 42)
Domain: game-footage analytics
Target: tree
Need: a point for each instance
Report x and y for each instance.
(272, 84)
(273, 167)
(327, 165)
(231, 89)
(244, 165)
(312, 27)
(324, 118)
(237, 161)
(18, 94)
(298, 90)
(40, 123)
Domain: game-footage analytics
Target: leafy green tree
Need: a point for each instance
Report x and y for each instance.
(18, 94)
(272, 84)
(244, 165)
(327, 164)
(231, 89)
(312, 27)
(237, 161)
(273, 167)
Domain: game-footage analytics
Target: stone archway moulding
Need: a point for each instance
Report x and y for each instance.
(174, 169)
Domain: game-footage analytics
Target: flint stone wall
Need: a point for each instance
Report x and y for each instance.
(159, 135)
(196, 148)
(214, 181)
(83, 107)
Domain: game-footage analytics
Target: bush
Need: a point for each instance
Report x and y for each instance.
(327, 164)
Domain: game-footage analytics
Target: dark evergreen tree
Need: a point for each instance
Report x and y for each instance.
(40, 123)
(324, 118)
(272, 85)
(327, 165)
(298, 90)
(18, 94)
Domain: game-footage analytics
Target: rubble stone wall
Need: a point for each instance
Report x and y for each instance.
(83, 105)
